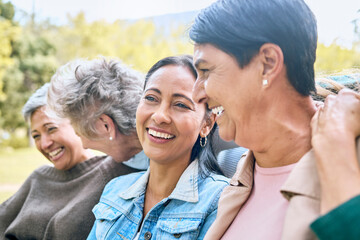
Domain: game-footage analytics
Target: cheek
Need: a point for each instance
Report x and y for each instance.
(140, 119)
(38, 145)
(214, 87)
(191, 127)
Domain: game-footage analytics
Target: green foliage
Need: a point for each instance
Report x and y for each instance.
(15, 142)
(34, 64)
(138, 43)
(7, 10)
(335, 58)
(8, 32)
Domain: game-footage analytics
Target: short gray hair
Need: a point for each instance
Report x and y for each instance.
(83, 90)
(36, 101)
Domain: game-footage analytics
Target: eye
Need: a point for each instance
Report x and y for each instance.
(150, 98)
(52, 129)
(204, 70)
(182, 105)
(36, 136)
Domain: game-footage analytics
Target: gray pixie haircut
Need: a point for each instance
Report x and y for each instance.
(37, 100)
(83, 90)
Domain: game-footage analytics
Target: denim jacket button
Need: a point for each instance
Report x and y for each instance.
(147, 235)
(177, 235)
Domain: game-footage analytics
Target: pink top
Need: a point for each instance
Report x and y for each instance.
(262, 216)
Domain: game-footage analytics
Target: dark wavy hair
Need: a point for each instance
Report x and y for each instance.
(207, 159)
(241, 27)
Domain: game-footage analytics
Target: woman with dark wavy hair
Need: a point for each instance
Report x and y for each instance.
(177, 196)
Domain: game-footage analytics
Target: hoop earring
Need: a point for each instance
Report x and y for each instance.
(203, 143)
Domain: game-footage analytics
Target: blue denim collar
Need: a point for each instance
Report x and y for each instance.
(186, 189)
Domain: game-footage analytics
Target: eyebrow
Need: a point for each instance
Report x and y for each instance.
(174, 95)
(153, 89)
(183, 96)
(34, 131)
(43, 126)
(198, 62)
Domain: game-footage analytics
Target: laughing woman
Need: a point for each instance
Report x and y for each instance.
(177, 196)
(55, 202)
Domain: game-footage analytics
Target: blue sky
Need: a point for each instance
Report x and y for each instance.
(334, 16)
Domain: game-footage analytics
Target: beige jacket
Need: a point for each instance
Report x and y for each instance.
(302, 189)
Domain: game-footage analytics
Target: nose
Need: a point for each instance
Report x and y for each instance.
(45, 142)
(198, 93)
(161, 115)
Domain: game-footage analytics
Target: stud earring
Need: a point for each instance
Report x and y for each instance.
(203, 142)
(265, 82)
(110, 138)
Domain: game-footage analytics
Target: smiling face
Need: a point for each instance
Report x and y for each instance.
(56, 140)
(233, 93)
(168, 121)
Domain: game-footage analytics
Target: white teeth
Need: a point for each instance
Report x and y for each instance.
(218, 110)
(55, 152)
(160, 134)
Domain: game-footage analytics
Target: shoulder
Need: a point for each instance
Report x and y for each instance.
(44, 170)
(111, 168)
(120, 184)
(218, 178)
(214, 180)
(211, 187)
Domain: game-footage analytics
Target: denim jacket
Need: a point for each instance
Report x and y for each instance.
(186, 214)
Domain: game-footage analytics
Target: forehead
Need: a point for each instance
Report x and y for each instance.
(208, 53)
(172, 77)
(39, 118)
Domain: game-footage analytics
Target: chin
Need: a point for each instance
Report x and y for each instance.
(226, 135)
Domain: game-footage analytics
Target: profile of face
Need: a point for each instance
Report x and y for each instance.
(232, 93)
(168, 120)
(56, 140)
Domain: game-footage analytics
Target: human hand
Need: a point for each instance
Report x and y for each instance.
(335, 127)
(339, 117)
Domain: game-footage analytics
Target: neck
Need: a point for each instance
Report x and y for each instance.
(286, 127)
(162, 181)
(87, 155)
(123, 147)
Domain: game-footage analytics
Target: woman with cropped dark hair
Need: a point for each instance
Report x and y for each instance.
(255, 64)
(177, 196)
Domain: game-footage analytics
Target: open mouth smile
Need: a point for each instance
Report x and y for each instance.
(56, 154)
(218, 111)
(160, 134)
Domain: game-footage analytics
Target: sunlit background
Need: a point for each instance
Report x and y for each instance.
(37, 36)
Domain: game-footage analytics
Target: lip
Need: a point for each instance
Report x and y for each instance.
(57, 157)
(156, 139)
(160, 130)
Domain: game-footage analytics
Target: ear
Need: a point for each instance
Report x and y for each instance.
(105, 126)
(272, 59)
(207, 126)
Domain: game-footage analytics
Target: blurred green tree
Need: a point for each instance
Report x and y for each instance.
(137, 43)
(8, 32)
(335, 58)
(33, 62)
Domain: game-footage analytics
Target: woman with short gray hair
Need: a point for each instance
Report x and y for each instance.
(100, 98)
(55, 202)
